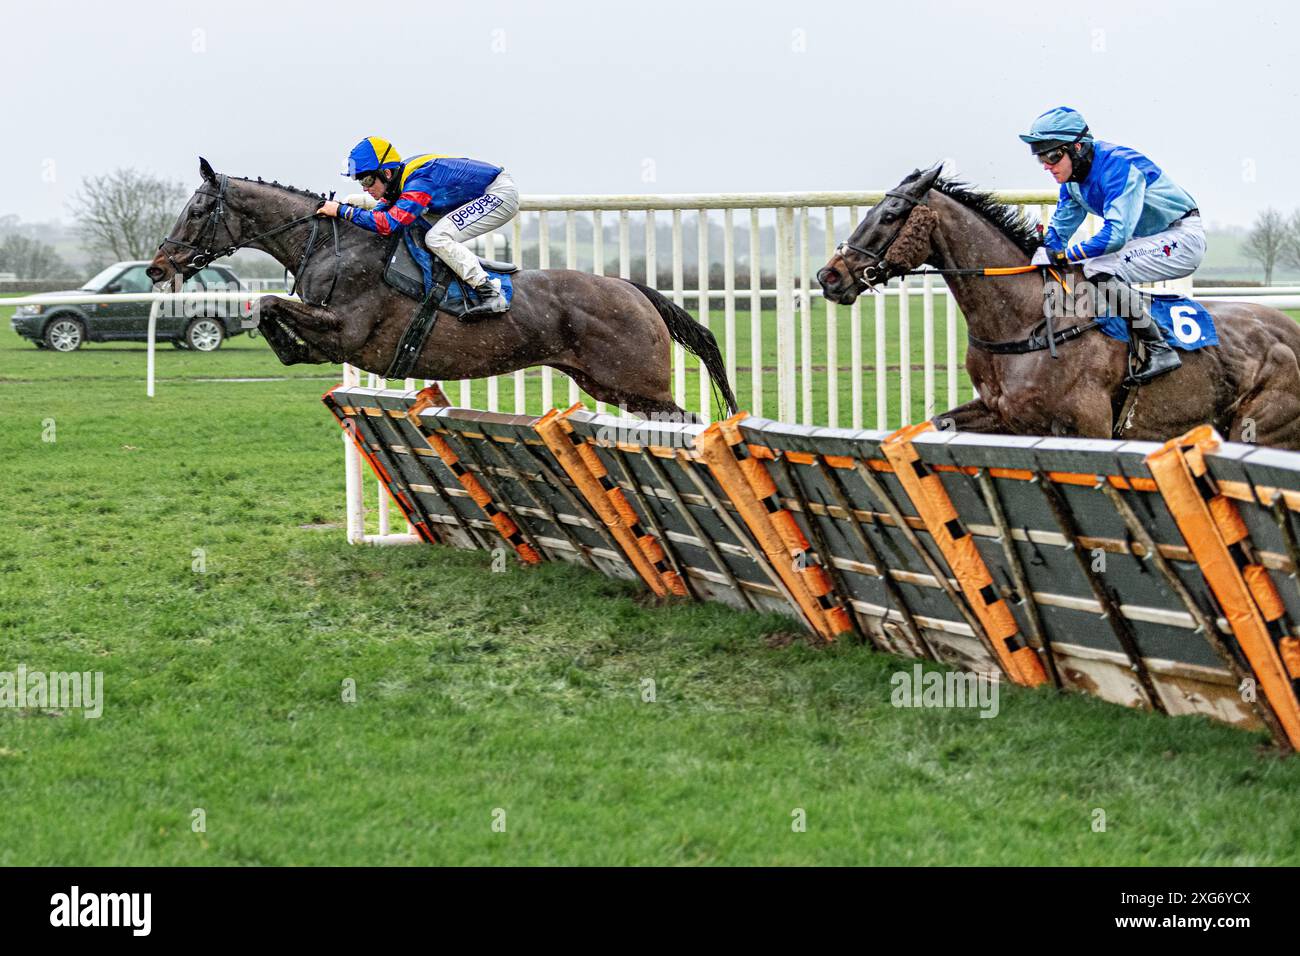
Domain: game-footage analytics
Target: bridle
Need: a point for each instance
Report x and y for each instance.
(206, 250)
(878, 271)
(1042, 336)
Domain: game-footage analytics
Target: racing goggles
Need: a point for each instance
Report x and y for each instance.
(1050, 157)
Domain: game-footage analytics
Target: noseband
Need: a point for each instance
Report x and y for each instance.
(204, 253)
(878, 271)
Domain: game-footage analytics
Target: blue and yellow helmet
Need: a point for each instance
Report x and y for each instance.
(370, 154)
(1057, 127)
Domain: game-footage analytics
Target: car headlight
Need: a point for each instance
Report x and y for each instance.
(25, 311)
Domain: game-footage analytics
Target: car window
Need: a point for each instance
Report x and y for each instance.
(134, 280)
(215, 279)
(101, 279)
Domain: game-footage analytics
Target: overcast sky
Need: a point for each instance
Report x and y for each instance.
(663, 97)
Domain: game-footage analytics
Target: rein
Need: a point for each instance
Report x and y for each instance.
(205, 254)
(1042, 336)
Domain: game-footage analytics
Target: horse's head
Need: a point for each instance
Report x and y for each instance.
(893, 238)
(201, 233)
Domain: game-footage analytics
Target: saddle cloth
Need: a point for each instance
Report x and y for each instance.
(1186, 323)
(410, 269)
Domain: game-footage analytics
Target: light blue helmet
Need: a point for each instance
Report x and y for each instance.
(1057, 127)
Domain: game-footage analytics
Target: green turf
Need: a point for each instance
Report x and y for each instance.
(478, 690)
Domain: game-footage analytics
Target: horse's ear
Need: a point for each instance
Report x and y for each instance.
(925, 181)
(205, 170)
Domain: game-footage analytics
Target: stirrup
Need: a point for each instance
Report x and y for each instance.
(493, 303)
(1158, 362)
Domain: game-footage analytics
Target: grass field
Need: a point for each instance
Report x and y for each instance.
(479, 692)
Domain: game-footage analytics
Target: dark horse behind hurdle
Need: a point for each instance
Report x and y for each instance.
(612, 336)
(1247, 387)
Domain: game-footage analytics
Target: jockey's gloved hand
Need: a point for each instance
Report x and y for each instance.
(1044, 256)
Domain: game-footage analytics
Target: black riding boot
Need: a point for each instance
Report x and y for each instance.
(490, 302)
(1160, 356)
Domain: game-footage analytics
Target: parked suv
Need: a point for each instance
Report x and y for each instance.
(198, 325)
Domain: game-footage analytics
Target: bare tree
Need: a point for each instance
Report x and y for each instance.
(30, 258)
(1267, 241)
(1291, 247)
(125, 214)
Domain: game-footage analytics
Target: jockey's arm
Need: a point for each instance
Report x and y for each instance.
(386, 219)
(1069, 215)
(1124, 202)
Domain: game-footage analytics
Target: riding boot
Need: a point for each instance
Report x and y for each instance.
(1142, 327)
(491, 301)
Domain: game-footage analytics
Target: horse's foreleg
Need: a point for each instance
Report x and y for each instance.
(974, 416)
(286, 348)
(284, 321)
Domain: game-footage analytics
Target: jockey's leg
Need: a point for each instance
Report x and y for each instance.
(1171, 254)
(445, 239)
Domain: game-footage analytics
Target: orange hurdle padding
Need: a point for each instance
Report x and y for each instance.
(1210, 528)
(500, 520)
(932, 503)
(750, 487)
(581, 463)
(1290, 649)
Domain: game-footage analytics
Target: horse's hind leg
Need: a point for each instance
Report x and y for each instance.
(1270, 415)
(657, 407)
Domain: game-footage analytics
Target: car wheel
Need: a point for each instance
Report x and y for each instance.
(204, 335)
(65, 334)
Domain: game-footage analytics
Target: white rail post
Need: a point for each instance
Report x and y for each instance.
(832, 336)
(521, 381)
(904, 354)
(805, 321)
(950, 346)
(679, 354)
(882, 363)
(354, 493)
(598, 259)
(927, 335)
(729, 295)
(755, 314)
(855, 340)
(786, 371)
(571, 262)
(150, 348)
(702, 242)
(544, 262)
(494, 381)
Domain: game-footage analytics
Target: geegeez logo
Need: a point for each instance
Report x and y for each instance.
(474, 211)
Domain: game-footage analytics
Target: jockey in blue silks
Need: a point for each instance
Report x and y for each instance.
(461, 197)
(1152, 227)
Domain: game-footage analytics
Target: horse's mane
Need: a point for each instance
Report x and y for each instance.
(1009, 220)
(259, 181)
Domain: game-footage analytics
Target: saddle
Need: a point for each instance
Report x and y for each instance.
(416, 273)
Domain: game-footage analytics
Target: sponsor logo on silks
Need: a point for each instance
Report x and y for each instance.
(474, 211)
(102, 909)
(1186, 324)
(1167, 250)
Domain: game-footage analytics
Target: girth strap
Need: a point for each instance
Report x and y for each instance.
(1036, 341)
(421, 325)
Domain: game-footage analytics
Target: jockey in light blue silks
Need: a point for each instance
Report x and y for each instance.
(461, 197)
(1152, 227)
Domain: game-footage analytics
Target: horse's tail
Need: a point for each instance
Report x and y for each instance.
(695, 338)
